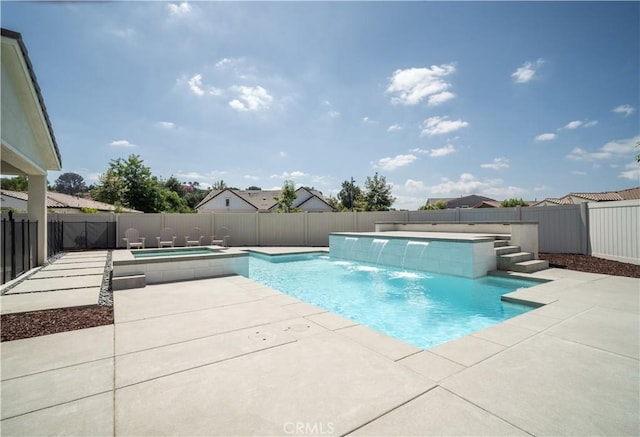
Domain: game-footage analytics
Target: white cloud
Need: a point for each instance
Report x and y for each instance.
(322, 180)
(289, 175)
(527, 72)
(251, 177)
(442, 151)
(625, 110)
(545, 137)
(466, 184)
(166, 124)
(469, 184)
(367, 120)
(333, 114)
(282, 154)
(438, 99)
(191, 175)
(612, 149)
(578, 154)
(621, 147)
(575, 124)
(123, 33)
(179, 9)
(412, 186)
(121, 143)
(497, 164)
(413, 85)
(394, 128)
(632, 172)
(390, 164)
(436, 153)
(199, 89)
(579, 173)
(250, 98)
(224, 62)
(440, 125)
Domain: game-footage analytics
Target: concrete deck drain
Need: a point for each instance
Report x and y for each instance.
(261, 336)
(298, 327)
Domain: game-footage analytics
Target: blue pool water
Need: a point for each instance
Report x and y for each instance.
(424, 309)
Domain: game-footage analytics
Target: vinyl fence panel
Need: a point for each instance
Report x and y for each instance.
(614, 230)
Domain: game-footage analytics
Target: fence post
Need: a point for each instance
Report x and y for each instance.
(585, 243)
(306, 228)
(458, 215)
(36, 257)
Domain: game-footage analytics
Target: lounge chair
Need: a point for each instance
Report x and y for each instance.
(222, 239)
(133, 239)
(194, 238)
(166, 238)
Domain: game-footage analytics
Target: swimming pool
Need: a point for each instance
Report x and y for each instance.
(424, 309)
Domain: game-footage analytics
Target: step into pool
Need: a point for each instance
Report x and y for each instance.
(424, 309)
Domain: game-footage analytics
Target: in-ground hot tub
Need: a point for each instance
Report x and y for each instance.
(135, 268)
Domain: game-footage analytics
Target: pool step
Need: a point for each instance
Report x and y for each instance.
(505, 262)
(500, 243)
(129, 281)
(505, 250)
(530, 266)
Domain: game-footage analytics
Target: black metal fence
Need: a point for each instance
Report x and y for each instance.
(85, 235)
(20, 241)
(19, 247)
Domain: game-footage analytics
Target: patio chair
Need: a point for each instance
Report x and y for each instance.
(194, 238)
(166, 238)
(133, 239)
(222, 238)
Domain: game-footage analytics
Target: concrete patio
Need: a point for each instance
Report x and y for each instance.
(228, 356)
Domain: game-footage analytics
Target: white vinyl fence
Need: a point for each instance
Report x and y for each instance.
(608, 229)
(614, 230)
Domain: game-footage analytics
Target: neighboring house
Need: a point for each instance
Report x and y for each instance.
(56, 202)
(28, 144)
(578, 198)
(260, 201)
(471, 201)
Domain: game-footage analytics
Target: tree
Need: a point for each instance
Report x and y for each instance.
(18, 183)
(172, 202)
(510, 203)
(378, 193)
(335, 203)
(254, 188)
(193, 198)
(70, 183)
(350, 196)
(287, 197)
(131, 183)
(111, 188)
(219, 185)
(173, 184)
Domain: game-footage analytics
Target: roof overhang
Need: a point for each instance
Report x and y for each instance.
(24, 114)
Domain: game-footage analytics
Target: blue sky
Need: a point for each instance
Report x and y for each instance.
(506, 99)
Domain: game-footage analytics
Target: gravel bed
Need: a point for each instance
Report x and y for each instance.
(36, 323)
(591, 264)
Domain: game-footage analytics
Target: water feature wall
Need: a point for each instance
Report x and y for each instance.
(467, 257)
